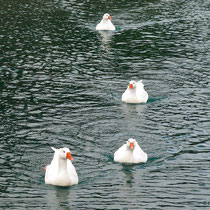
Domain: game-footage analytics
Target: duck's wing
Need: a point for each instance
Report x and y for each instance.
(119, 154)
(99, 26)
(140, 83)
(72, 172)
(139, 154)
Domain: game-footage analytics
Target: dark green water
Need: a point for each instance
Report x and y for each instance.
(61, 83)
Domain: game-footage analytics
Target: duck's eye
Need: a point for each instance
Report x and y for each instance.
(63, 151)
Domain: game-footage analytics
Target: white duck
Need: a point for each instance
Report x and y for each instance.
(130, 152)
(135, 93)
(106, 24)
(61, 171)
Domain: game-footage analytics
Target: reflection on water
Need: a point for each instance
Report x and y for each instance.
(58, 197)
(105, 38)
(134, 110)
(127, 170)
(106, 50)
(62, 196)
(134, 115)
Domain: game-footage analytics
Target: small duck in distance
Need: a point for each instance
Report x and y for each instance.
(130, 152)
(135, 93)
(105, 24)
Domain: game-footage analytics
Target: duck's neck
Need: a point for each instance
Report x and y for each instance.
(133, 90)
(105, 21)
(130, 150)
(62, 164)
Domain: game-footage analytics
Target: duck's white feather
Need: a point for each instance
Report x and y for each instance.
(60, 172)
(125, 155)
(137, 94)
(105, 24)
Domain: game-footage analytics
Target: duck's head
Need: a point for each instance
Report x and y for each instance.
(132, 84)
(64, 153)
(106, 17)
(131, 143)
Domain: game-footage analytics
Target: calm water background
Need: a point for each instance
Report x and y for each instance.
(61, 83)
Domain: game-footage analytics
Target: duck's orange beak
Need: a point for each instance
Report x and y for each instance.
(68, 156)
(130, 86)
(131, 145)
(109, 18)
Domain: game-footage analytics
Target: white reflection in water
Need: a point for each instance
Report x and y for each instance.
(129, 178)
(132, 110)
(58, 196)
(106, 37)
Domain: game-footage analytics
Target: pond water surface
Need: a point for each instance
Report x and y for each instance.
(61, 83)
